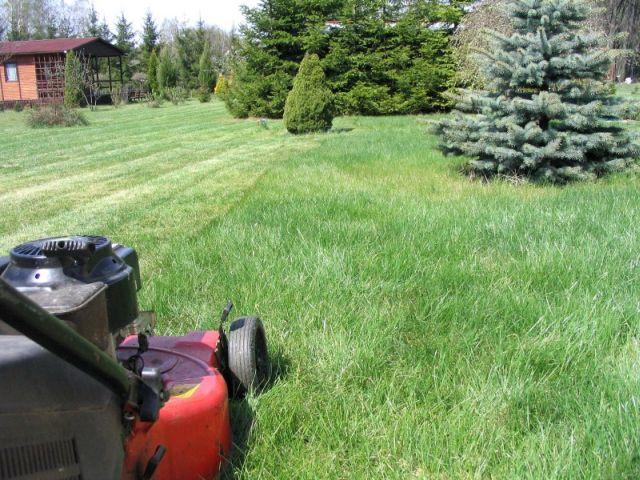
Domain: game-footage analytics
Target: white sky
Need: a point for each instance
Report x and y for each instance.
(223, 13)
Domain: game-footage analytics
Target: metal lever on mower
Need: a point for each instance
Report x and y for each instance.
(225, 313)
(135, 362)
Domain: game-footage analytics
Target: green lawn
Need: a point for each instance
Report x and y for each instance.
(422, 325)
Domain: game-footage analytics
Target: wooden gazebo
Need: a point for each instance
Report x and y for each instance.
(33, 70)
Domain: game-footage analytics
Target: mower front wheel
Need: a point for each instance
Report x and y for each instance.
(248, 356)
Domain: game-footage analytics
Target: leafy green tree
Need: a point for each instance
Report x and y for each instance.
(206, 75)
(309, 105)
(73, 96)
(125, 42)
(547, 113)
(167, 73)
(152, 73)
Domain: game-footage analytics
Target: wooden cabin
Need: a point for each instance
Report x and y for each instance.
(33, 70)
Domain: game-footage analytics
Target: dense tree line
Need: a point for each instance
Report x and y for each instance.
(38, 19)
(178, 47)
(379, 56)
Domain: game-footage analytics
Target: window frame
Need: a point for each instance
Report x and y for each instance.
(6, 72)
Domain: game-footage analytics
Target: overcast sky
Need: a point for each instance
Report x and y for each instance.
(224, 13)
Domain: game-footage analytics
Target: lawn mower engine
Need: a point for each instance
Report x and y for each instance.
(88, 392)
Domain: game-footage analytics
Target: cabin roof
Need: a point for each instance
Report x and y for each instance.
(93, 46)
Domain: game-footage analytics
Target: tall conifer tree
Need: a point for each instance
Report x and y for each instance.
(150, 36)
(547, 112)
(125, 42)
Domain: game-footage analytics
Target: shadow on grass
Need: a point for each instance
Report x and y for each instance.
(243, 415)
(341, 130)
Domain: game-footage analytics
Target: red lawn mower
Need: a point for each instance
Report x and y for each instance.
(86, 390)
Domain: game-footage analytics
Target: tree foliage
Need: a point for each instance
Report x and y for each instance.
(39, 19)
(124, 40)
(206, 74)
(167, 74)
(380, 56)
(73, 82)
(189, 45)
(152, 73)
(150, 38)
(618, 20)
(547, 112)
(222, 86)
(309, 106)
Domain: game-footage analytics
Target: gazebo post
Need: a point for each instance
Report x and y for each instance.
(110, 81)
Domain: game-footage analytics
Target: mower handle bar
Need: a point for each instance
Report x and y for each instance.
(28, 318)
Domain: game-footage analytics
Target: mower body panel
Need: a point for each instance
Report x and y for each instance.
(55, 421)
(194, 424)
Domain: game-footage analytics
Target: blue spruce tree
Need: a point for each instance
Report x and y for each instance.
(547, 112)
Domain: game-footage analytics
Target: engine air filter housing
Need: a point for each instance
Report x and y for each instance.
(67, 275)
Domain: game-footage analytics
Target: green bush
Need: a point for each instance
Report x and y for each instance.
(73, 75)
(152, 72)
(365, 99)
(630, 111)
(236, 103)
(153, 100)
(309, 105)
(258, 95)
(204, 95)
(176, 95)
(119, 96)
(18, 107)
(55, 115)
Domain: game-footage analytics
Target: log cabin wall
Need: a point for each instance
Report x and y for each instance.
(25, 88)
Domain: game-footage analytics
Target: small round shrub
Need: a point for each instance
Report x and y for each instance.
(154, 100)
(309, 105)
(176, 95)
(56, 115)
(18, 107)
(204, 95)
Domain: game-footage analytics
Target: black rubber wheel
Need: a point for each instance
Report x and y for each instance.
(248, 356)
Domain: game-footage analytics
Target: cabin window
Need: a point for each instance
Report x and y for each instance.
(11, 72)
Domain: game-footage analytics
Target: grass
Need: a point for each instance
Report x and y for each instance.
(422, 325)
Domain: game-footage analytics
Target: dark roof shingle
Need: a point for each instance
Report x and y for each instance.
(56, 45)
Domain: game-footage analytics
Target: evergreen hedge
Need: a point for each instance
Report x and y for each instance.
(309, 105)
(379, 57)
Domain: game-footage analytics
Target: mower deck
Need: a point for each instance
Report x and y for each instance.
(197, 392)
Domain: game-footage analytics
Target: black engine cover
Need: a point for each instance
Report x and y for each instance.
(56, 422)
(56, 273)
